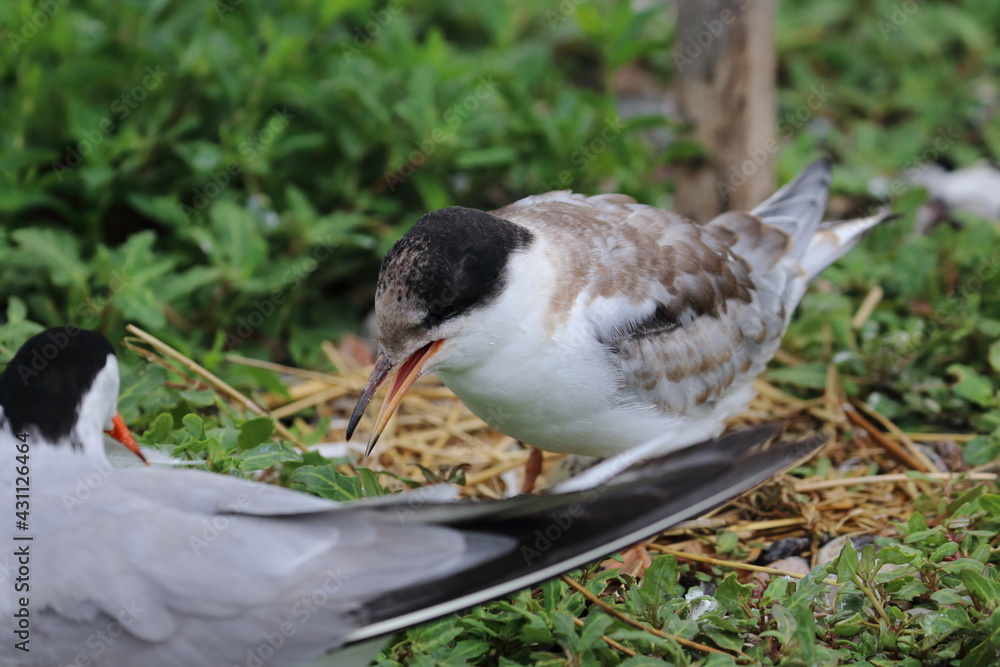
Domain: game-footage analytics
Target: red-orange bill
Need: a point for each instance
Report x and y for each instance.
(119, 431)
(404, 377)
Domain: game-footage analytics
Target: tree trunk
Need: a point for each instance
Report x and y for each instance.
(725, 56)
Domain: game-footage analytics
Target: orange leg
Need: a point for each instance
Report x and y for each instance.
(635, 559)
(532, 468)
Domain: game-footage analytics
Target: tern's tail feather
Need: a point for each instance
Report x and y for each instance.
(798, 207)
(832, 240)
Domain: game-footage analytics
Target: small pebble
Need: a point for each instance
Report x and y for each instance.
(829, 551)
(789, 546)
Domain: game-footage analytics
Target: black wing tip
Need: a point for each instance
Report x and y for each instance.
(745, 446)
(796, 451)
(598, 525)
(764, 430)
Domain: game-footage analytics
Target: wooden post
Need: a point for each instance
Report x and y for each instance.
(726, 62)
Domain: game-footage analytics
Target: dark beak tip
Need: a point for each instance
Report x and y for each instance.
(371, 444)
(355, 419)
(375, 380)
(351, 426)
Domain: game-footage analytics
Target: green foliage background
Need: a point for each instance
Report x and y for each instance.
(228, 174)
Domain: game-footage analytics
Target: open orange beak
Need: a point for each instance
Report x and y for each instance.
(406, 375)
(120, 432)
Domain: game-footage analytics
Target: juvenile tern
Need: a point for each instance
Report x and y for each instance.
(596, 325)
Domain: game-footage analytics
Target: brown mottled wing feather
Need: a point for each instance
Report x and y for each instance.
(676, 307)
(711, 329)
(690, 314)
(762, 246)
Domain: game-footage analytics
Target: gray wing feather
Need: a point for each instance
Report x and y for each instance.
(204, 585)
